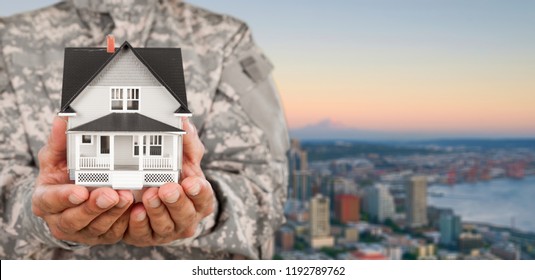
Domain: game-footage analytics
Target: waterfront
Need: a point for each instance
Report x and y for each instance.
(501, 202)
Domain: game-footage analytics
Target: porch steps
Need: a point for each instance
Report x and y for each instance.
(127, 180)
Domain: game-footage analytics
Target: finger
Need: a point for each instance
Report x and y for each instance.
(76, 218)
(200, 193)
(180, 208)
(193, 147)
(56, 198)
(139, 232)
(159, 217)
(106, 220)
(117, 231)
(58, 233)
(55, 150)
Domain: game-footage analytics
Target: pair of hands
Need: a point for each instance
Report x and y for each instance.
(106, 216)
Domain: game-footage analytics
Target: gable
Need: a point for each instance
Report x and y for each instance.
(83, 65)
(125, 70)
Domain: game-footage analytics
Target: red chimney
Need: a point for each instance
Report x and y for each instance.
(111, 43)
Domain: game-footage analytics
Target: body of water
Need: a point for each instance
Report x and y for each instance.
(498, 202)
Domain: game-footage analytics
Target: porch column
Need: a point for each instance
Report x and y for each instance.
(112, 152)
(180, 153)
(175, 152)
(140, 152)
(77, 143)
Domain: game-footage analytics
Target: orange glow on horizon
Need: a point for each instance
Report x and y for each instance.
(498, 106)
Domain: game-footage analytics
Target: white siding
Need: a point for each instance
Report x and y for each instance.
(167, 146)
(154, 102)
(125, 69)
(89, 150)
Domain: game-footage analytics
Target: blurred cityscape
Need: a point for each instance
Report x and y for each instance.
(363, 201)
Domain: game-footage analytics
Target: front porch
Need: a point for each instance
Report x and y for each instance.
(126, 152)
(126, 161)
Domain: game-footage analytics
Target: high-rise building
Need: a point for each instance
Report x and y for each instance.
(380, 203)
(417, 202)
(450, 228)
(339, 186)
(347, 208)
(433, 216)
(299, 184)
(320, 227)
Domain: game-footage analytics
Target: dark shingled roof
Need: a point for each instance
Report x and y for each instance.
(125, 122)
(82, 65)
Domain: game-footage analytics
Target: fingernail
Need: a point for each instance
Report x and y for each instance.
(75, 199)
(195, 189)
(155, 202)
(172, 197)
(141, 216)
(122, 202)
(104, 201)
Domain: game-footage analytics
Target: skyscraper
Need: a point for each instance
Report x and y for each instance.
(380, 203)
(450, 228)
(299, 182)
(417, 201)
(320, 227)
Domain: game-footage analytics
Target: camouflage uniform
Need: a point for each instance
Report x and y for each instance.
(236, 110)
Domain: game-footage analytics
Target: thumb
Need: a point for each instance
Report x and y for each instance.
(193, 147)
(55, 150)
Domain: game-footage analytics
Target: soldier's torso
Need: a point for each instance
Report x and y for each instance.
(33, 46)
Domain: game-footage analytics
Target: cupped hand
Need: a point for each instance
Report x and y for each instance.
(174, 211)
(74, 213)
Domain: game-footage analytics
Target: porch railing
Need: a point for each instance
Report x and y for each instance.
(157, 163)
(95, 162)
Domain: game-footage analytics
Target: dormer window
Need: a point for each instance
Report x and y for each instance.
(124, 99)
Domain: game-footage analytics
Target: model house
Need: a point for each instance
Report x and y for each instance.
(125, 107)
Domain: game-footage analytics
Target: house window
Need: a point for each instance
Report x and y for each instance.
(152, 143)
(87, 139)
(104, 145)
(136, 147)
(124, 99)
(155, 145)
(132, 99)
(116, 99)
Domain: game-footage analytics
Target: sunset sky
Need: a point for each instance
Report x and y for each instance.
(456, 67)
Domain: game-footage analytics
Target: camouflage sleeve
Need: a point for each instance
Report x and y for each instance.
(22, 232)
(246, 139)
